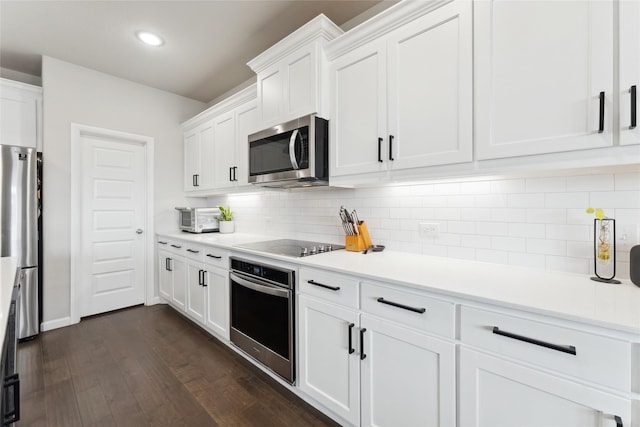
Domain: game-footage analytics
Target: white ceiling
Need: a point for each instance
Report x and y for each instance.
(207, 43)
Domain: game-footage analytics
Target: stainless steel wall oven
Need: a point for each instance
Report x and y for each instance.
(262, 314)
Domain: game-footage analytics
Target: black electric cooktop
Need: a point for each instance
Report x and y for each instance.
(292, 248)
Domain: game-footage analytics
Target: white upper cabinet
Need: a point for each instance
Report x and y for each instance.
(292, 72)
(215, 145)
(20, 114)
(629, 18)
(543, 76)
(404, 100)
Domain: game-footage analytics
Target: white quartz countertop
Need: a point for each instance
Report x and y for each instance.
(566, 295)
(8, 270)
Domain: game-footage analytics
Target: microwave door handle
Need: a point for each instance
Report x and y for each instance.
(292, 150)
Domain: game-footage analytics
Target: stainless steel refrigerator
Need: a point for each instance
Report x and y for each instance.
(19, 220)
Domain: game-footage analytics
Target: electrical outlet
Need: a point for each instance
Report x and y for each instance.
(627, 236)
(429, 229)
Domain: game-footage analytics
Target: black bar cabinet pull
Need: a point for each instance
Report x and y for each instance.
(161, 242)
(633, 107)
(405, 307)
(380, 150)
(166, 264)
(391, 148)
(214, 256)
(193, 251)
(601, 119)
(351, 349)
(235, 170)
(204, 278)
(169, 264)
(199, 277)
(14, 415)
(618, 421)
(563, 348)
(362, 355)
(231, 174)
(322, 285)
(176, 246)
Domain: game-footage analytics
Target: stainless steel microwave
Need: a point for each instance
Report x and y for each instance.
(199, 220)
(293, 154)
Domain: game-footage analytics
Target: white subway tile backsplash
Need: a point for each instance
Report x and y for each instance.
(547, 247)
(537, 222)
(566, 200)
(546, 185)
(526, 230)
(590, 183)
(627, 181)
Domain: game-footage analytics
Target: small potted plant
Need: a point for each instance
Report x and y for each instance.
(226, 220)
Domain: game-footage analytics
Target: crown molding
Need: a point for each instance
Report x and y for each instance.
(245, 95)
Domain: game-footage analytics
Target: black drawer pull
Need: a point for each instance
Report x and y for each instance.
(162, 243)
(351, 349)
(314, 283)
(563, 348)
(214, 256)
(601, 118)
(633, 107)
(618, 421)
(362, 355)
(193, 251)
(176, 246)
(380, 150)
(405, 307)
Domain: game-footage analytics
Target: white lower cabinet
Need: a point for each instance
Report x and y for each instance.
(195, 291)
(179, 286)
(367, 370)
(172, 273)
(165, 276)
(407, 378)
(329, 364)
(494, 392)
(217, 298)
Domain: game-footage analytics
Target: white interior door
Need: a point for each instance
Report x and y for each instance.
(113, 212)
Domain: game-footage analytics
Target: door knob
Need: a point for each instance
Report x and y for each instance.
(139, 231)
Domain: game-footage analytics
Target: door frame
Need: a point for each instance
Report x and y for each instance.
(77, 132)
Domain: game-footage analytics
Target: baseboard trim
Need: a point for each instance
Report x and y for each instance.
(55, 324)
(155, 300)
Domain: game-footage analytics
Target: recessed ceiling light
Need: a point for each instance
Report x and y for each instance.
(149, 38)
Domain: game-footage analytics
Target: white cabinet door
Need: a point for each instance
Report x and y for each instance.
(270, 95)
(179, 272)
(199, 157)
(329, 370)
(430, 89)
(301, 71)
(195, 291)
(225, 150)
(19, 111)
(217, 294)
(494, 393)
(206, 180)
(358, 141)
(191, 160)
(629, 18)
(246, 123)
(165, 277)
(540, 67)
(408, 378)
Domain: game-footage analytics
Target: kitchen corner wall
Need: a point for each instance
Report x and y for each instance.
(73, 94)
(537, 222)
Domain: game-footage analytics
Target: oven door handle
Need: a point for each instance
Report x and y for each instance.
(292, 150)
(264, 288)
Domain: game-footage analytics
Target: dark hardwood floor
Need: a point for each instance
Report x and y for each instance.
(148, 366)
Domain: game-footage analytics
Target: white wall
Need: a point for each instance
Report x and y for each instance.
(73, 94)
(538, 222)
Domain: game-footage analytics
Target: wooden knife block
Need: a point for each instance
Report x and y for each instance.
(360, 242)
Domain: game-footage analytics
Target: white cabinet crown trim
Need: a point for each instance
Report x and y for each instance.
(319, 28)
(227, 104)
(396, 16)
